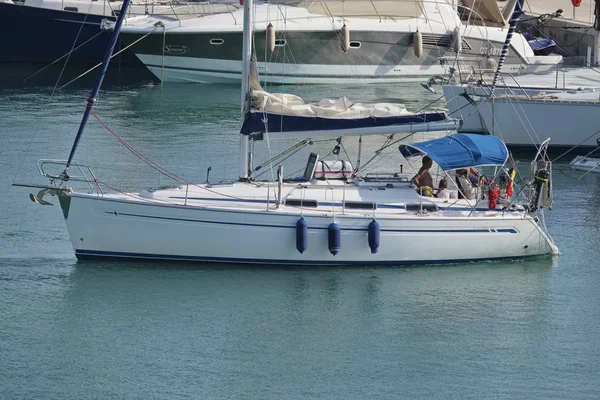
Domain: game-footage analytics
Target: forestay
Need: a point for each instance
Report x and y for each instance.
(460, 150)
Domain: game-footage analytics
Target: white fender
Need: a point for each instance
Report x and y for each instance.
(270, 37)
(457, 40)
(418, 43)
(345, 38)
(490, 64)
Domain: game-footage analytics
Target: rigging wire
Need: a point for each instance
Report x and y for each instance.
(71, 52)
(63, 56)
(577, 145)
(36, 129)
(388, 143)
(114, 55)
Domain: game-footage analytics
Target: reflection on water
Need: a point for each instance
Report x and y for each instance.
(228, 328)
(182, 329)
(22, 75)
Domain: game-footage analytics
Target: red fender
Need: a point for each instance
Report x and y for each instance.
(493, 195)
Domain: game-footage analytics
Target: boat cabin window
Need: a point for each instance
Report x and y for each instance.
(355, 45)
(360, 205)
(74, 9)
(301, 203)
(280, 42)
(217, 42)
(419, 207)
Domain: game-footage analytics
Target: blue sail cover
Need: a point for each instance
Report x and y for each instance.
(460, 150)
(257, 122)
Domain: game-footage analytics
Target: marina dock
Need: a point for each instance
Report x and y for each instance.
(573, 30)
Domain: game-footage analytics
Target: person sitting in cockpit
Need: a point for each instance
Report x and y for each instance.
(466, 188)
(443, 191)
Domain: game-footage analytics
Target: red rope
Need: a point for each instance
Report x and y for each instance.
(156, 166)
(139, 155)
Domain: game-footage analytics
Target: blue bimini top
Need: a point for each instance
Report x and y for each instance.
(460, 150)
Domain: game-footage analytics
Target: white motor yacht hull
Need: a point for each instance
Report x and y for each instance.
(105, 227)
(306, 47)
(206, 70)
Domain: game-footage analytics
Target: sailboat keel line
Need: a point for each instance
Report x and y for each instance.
(103, 255)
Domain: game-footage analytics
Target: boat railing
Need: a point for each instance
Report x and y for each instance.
(518, 84)
(85, 173)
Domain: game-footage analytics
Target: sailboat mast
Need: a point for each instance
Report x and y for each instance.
(512, 26)
(246, 60)
(94, 94)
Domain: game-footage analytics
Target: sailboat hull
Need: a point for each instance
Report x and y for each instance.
(103, 227)
(41, 35)
(525, 122)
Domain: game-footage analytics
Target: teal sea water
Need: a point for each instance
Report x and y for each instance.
(113, 330)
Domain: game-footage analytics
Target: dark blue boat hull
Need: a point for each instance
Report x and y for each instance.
(37, 35)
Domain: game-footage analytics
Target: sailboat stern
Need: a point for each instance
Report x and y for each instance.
(539, 190)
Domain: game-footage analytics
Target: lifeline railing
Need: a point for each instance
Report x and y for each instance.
(88, 178)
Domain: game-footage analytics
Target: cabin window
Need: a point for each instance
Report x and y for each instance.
(217, 42)
(355, 45)
(74, 9)
(419, 207)
(360, 205)
(280, 42)
(301, 203)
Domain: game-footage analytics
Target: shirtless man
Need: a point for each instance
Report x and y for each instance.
(423, 177)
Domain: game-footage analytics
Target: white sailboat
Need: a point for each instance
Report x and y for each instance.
(330, 216)
(525, 117)
(531, 108)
